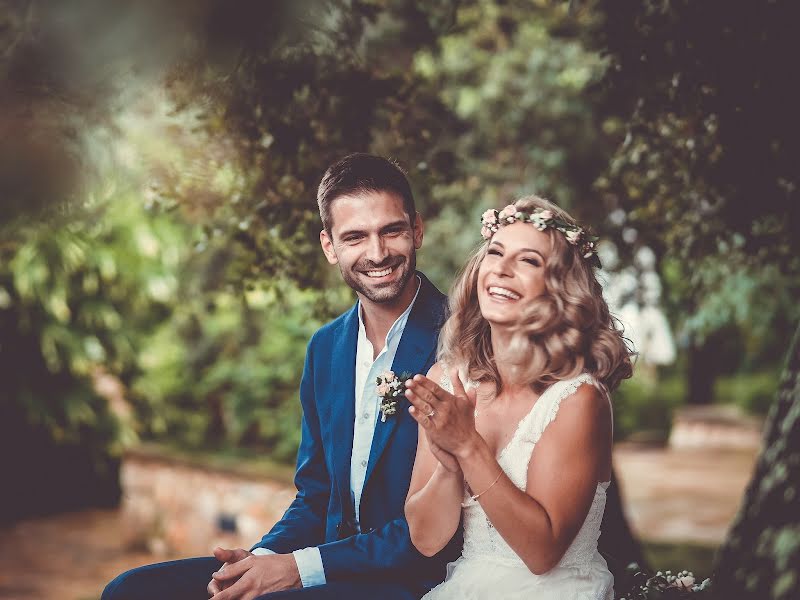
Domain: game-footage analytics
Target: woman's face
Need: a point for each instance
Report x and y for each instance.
(512, 272)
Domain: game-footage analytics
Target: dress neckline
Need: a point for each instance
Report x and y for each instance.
(517, 432)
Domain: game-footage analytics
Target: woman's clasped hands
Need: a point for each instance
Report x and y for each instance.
(448, 419)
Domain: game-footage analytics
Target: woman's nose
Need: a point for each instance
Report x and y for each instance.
(502, 267)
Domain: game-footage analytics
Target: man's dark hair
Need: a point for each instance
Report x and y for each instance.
(359, 173)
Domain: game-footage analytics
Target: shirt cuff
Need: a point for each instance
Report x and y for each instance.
(309, 564)
(262, 551)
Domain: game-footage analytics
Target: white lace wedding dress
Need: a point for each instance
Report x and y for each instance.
(489, 569)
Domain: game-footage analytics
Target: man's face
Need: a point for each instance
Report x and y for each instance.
(373, 242)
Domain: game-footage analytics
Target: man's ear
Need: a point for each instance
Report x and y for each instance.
(327, 247)
(419, 231)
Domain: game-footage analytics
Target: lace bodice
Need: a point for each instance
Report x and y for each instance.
(481, 539)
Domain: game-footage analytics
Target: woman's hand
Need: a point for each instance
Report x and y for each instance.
(447, 460)
(448, 419)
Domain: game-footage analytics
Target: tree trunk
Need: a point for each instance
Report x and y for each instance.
(702, 371)
(760, 560)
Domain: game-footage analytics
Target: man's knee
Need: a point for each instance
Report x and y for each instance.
(179, 579)
(117, 589)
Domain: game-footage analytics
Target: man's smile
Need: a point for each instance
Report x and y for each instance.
(379, 274)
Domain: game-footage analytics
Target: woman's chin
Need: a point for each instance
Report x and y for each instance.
(499, 318)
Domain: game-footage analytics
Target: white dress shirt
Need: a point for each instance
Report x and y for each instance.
(367, 403)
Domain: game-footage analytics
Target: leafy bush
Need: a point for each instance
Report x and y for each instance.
(643, 408)
(225, 372)
(754, 392)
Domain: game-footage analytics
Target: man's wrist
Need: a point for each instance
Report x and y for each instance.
(309, 566)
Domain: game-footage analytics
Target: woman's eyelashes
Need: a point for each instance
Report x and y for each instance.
(531, 260)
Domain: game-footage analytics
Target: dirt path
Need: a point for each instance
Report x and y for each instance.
(682, 495)
(671, 496)
(69, 556)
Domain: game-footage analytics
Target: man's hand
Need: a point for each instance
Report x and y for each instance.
(256, 575)
(228, 557)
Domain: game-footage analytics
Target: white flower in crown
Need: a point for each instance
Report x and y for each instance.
(540, 219)
(573, 236)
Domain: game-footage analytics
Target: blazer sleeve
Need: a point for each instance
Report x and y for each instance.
(303, 523)
(382, 551)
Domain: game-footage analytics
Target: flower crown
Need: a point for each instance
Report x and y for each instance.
(541, 218)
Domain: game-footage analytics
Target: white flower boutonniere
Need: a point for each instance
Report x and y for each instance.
(390, 389)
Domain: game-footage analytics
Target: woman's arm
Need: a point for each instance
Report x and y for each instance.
(573, 453)
(433, 504)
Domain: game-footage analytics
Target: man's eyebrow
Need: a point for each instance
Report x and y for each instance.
(394, 224)
(352, 232)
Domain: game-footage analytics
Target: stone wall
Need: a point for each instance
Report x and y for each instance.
(177, 506)
(715, 426)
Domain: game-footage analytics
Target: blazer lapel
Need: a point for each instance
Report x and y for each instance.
(342, 402)
(416, 348)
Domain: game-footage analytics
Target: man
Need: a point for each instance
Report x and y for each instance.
(345, 534)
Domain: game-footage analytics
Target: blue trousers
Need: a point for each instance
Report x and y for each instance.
(187, 580)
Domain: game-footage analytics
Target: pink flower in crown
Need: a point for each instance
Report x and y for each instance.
(508, 214)
(486, 232)
(489, 217)
(684, 582)
(545, 214)
(573, 236)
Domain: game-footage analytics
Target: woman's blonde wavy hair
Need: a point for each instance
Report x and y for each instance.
(566, 331)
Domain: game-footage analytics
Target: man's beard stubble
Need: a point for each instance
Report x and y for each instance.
(382, 293)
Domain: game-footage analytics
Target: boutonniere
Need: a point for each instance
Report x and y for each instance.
(390, 389)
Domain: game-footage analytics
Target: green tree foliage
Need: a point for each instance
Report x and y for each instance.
(292, 86)
(224, 370)
(77, 298)
(707, 173)
(518, 80)
(705, 169)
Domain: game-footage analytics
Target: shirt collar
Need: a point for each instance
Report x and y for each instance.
(399, 324)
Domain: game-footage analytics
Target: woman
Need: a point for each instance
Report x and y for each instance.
(515, 421)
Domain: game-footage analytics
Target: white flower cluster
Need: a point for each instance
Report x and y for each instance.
(389, 388)
(681, 584)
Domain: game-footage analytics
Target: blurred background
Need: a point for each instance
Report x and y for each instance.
(160, 273)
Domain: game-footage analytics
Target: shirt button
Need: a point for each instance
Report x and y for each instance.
(363, 463)
(365, 364)
(366, 416)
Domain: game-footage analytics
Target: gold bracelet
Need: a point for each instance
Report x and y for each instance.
(496, 479)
